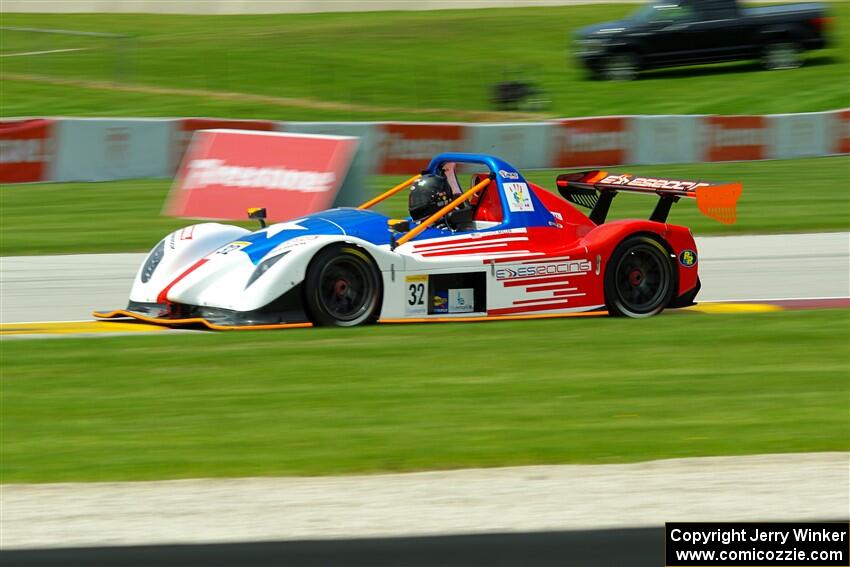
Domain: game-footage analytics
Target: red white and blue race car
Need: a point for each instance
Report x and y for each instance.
(501, 248)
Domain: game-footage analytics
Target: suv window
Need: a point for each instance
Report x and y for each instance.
(673, 13)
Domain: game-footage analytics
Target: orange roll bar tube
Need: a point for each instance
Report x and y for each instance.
(417, 230)
(390, 193)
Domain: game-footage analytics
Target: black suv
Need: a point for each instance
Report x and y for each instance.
(689, 32)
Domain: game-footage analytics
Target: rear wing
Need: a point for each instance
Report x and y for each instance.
(596, 189)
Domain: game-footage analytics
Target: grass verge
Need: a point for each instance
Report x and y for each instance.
(779, 196)
(404, 61)
(404, 398)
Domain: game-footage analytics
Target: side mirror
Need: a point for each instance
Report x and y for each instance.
(258, 213)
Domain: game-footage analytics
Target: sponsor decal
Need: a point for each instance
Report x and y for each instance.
(416, 291)
(652, 183)
(461, 300)
(688, 258)
(508, 174)
(407, 147)
(568, 267)
(581, 142)
(735, 138)
(233, 247)
(519, 197)
(290, 244)
(26, 150)
(187, 233)
(440, 302)
(226, 172)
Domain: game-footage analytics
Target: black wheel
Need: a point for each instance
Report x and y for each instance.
(781, 55)
(639, 278)
(342, 287)
(619, 67)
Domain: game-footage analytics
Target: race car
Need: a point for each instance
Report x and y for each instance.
(501, 248)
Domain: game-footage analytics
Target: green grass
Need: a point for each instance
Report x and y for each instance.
(398, 61)
(779, 196)
(561, 391)
(24, 98)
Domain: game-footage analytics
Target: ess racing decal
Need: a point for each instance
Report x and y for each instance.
(574, 267)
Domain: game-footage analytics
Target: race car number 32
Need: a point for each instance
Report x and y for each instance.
(416, 288)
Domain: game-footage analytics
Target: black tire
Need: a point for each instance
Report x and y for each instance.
(343, 287)
(781, 54)
(639, 278)
(620, 66)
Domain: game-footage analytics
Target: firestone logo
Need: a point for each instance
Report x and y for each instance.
(578, 141)
(204, 172)
(730, 137)
(33, 150)
(396, 146)
(577, 267)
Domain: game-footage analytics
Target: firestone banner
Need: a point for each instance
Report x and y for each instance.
(840, 132)
(408, 147)
(26, 150)
(225, 172)
(735, 138)
(584, 142)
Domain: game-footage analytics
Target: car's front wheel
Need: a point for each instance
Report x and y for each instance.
(342, 287)
(639, 278)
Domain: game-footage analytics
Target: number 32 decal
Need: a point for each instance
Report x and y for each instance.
(416, 294)
(416, 288)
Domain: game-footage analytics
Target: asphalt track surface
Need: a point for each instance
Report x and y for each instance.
(640, 547)
(736, 268)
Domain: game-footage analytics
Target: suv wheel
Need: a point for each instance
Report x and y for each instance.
(781, 55)
(620, 67)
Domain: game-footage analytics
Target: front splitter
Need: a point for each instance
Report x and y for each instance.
(192, 322)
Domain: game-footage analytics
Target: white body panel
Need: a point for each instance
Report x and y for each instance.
(222, 279)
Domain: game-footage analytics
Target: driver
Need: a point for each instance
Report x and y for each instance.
(427, 196)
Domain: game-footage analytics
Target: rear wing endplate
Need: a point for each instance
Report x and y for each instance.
(596, 189)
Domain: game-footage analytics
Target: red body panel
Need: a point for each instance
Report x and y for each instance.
(565, 264)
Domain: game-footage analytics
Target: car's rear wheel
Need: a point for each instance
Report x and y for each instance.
(781, 55)
(639, 278)
(342, 287)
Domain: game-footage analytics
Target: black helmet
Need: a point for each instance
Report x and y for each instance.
(428, 195)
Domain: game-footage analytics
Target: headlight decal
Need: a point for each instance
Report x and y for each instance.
(264, 267)
(154, 258)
